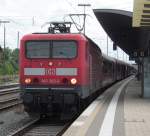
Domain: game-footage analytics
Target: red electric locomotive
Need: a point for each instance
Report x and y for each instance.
(60, 70)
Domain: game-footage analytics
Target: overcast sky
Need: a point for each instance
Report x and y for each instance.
(28, 16)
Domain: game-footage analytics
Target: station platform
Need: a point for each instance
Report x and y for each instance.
(119, 111)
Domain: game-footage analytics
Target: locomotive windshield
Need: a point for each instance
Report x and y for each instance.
(51, 49)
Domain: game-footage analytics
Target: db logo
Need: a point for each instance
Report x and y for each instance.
(50, 71)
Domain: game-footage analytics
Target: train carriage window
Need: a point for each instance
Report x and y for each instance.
(64, 49)
(37, 49)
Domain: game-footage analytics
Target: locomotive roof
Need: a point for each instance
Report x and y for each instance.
(115, 60)
(75, 36)
(45, 36)
(69, 36)
(93, 43)
(123, 62)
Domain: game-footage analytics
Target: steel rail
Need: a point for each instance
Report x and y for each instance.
(36, 128)
(20, 131)
(9, 85)
(9, 103)
(9, 91)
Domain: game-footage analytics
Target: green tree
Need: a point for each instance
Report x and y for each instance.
(15, 59)
(10, 62)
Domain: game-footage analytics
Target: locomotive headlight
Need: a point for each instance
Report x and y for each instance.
(73, 81)
(50, 63)
(27, 80)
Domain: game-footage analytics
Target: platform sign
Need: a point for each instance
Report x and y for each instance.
(131, 58)
(135, 54)
(140, 53)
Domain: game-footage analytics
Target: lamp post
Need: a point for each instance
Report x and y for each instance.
(4, 22)
(84, 5)
(18, 35)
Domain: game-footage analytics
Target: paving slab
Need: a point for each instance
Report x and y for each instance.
(136, 111)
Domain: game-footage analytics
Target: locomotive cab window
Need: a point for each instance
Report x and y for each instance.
(51, 49)
(37, 49)
(64, 49)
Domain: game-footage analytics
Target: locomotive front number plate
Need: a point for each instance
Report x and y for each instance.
(50, 71)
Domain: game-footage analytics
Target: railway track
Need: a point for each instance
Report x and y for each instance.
(9, 89)
(42, 127)
(9, 96)
(8, 103)
(9, 85)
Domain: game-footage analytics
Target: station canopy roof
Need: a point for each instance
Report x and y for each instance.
(118, 25)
